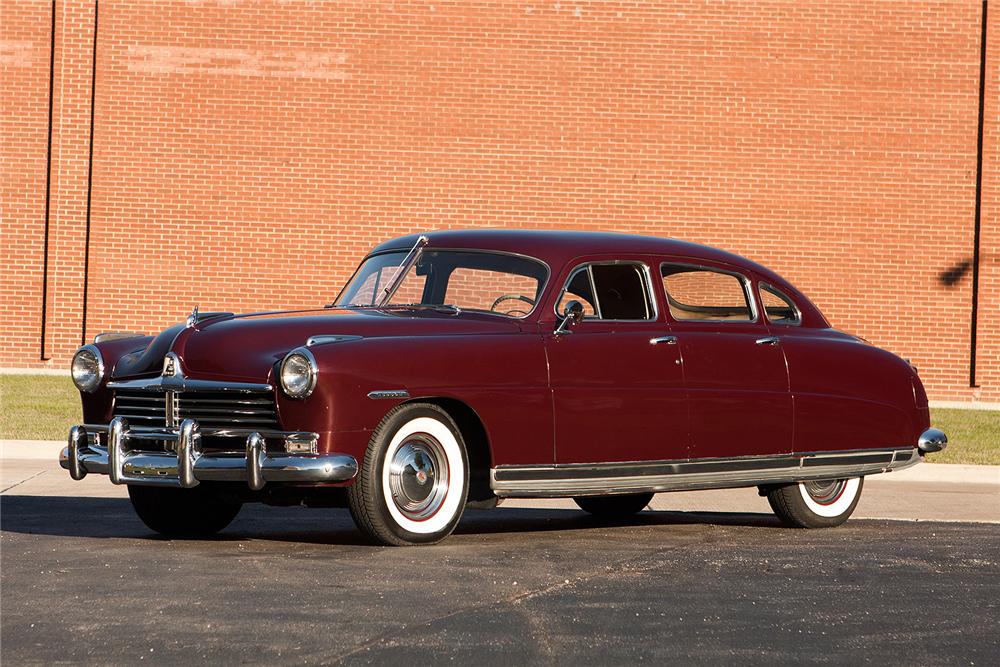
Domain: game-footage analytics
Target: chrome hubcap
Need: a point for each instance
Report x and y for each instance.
(825, 492)
(418, 477)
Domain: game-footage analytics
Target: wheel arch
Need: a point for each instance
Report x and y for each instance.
(477, 443)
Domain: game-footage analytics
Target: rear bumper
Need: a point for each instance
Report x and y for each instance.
(185, 467)
(932, 440)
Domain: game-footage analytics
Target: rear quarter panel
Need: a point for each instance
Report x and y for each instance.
(848, 394)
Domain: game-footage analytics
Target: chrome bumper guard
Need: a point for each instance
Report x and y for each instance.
(932, 440)
(187, 465)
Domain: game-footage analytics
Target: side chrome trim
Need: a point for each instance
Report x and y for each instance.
(323, 339)
(685, 475)
(105, 336)
(389, 393)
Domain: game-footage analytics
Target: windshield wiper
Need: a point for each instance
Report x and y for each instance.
(441, 307)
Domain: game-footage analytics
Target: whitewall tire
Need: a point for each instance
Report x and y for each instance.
(816, 504)
(414, 480)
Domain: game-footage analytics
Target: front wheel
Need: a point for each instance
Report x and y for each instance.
(197, 512)
(414, 479)
(816, 504)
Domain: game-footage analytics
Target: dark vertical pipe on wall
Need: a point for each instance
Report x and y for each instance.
(48, 189)
(90, 183)
(974, 324)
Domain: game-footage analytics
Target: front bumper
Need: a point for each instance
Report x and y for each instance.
(187, 465)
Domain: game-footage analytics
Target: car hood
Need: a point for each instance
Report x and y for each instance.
(247, 347)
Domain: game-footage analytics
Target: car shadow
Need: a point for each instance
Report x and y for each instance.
(67, 516)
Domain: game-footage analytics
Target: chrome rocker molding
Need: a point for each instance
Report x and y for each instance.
(594, 479)
(932, 440)
(187, 466)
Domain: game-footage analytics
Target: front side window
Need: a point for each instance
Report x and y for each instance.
(697, 293)
(778, 307)
(609, 292)
(469, 280)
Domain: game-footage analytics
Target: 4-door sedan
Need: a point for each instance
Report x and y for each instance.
(459, 368)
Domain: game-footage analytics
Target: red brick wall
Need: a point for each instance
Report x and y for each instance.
(833, 141)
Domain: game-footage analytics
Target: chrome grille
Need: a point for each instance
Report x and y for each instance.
(141, 408)
(212, 409)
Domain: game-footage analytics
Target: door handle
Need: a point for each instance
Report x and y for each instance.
(668, 340)
(769, 340)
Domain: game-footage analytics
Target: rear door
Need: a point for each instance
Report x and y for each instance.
(616, 379)
(734, 368)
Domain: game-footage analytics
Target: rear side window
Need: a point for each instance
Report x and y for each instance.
(610, 292)
(703, 294)
(778, 307)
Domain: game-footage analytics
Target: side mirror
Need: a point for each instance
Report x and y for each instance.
(572, 314)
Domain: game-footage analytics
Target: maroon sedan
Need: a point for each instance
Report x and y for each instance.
(459, 368)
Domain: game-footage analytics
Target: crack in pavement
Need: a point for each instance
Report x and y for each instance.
(630, 564)
(26, 479)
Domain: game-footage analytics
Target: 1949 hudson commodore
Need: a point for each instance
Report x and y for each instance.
(459, 368)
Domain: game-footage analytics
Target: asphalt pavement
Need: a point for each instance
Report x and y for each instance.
(701, 577)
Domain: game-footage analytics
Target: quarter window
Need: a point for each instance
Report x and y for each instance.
(703, 294)
(610, 292)
(779, 308)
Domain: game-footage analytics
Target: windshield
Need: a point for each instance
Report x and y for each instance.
(469, 280)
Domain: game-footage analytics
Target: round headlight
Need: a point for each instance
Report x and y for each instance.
(298, 373)
(87, 368)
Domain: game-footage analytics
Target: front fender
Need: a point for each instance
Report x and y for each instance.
(502, 378)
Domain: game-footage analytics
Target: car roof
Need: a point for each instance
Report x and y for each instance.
(556, 246)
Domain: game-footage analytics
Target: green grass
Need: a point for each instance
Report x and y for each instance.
(973, 436)
(43, 407)
(37, 407)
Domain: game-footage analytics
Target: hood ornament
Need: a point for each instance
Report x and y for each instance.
(192, 319)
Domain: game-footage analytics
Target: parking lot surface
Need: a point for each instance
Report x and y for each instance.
(85, 582)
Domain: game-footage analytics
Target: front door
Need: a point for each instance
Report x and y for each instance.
(734, 369)
(616, 377)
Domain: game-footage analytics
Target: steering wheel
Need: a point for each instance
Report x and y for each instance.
(515, 312)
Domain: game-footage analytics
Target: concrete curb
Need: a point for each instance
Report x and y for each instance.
(31, 449)
(924, 472)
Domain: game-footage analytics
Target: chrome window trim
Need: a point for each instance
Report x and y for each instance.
(744, 280)
(647, 277)
(541, 286)
(404, 267)
(763, 285)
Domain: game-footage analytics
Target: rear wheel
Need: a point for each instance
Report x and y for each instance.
(198, 512)
(612, 506)
(816, 504)
(414, 480)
